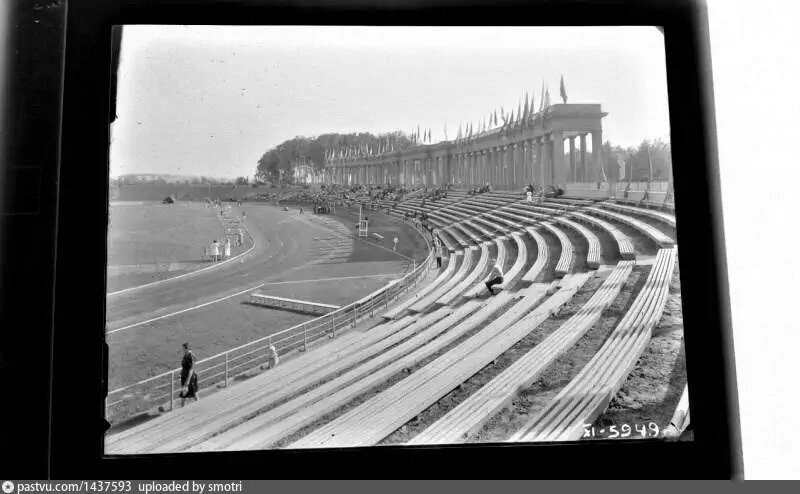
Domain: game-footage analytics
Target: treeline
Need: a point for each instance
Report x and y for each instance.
(650, 160)
(278, 161)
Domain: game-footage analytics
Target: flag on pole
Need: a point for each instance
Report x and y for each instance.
(495, 118)
(445, 130)
(547, 98)
(526, 113)
(563, 90)
(519, 113)
(502, 115)
(541, 100)
(650, 164)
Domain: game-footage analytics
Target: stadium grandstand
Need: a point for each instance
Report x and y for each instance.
(590, 280)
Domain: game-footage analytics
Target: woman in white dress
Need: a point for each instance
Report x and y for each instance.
(214, 251)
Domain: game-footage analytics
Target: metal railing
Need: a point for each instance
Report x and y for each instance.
(219, 370)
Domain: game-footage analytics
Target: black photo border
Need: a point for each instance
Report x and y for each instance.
(79, 359)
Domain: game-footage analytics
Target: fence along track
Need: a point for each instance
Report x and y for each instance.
(301, 369)
(220, 368)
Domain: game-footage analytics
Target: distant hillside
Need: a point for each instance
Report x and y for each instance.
(163, 178)
(183, 192)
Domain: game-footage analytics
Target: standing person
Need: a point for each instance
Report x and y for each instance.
(273, 357)
(188, 376)
(495, 278)
(214, 251)
(239, 237)
(529, 197)
(227, 248)
(244, 215)
(301, 210)
(394, 247)
(438, 247)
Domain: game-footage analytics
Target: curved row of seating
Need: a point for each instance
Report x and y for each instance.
(472, 277)
(379, 416)
(567, 257)
(438, 292)
(295, 375)
(283, 420)
(666, 218)
(265, 429)
(445, 275)
(660, 238)
(590, 391)
(470, 415)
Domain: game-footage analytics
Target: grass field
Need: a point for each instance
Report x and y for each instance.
(151, 241)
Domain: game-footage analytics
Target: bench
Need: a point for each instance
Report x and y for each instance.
(660, 238)
(378, 417)
(666, 218)
(471, 414)
(541, 255)
(273, 302)
(432, 297)
(473, 276)
(265, 429)
(587, 395)
(567, 256)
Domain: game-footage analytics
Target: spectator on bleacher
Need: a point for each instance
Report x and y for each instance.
(188, 376)
(495, 278)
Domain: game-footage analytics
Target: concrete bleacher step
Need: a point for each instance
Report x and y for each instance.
(301, 370)
(666, 218)
(431, 298)
(541, 256)
(590, 391)
(385, 413)
(567, 257)
(277, 422)
(477, 285)
(470, 415)
(203, 429)
(442, 278)
(472, 277)
(660, 238)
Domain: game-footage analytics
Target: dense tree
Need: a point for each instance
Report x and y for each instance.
(280, 158)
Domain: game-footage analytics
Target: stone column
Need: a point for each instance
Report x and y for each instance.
(582, 175)
(559, 167)
(597, 148)
(573, 177)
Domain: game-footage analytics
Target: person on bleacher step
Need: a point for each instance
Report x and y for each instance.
(438, 247)
(495, 278)
(188, 376)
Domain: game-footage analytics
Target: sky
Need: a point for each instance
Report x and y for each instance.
(211, 100)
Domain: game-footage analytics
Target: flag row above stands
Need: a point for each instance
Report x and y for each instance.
(525, 116)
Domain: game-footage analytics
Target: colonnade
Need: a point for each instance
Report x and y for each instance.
(507, 162)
